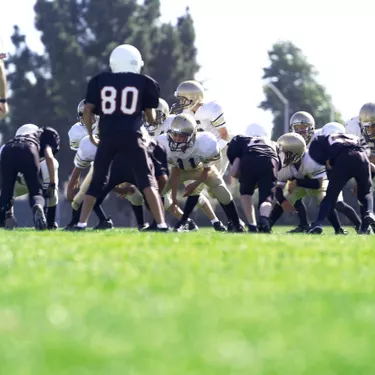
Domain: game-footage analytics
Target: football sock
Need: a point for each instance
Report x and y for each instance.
(334, 220)
(275, 215)
(230, 210)
(349, 212)
(190, 204)
(301, 211)
(138, 212)
(100, 213)
(51, 215)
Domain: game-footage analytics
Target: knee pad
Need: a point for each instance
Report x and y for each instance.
(136, 198)
(222, 194)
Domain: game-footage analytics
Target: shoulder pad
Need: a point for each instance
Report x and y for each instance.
(207, 145)
(76, 133)
(209, 111)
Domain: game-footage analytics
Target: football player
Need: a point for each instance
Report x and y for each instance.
(344, 158)
(119, 98)
(22, 154)
(208, 115)
(159, 126)
(300, 176)
(3, 87)
(366, 124)
(192, 156)
(303, 123)
(254, 161)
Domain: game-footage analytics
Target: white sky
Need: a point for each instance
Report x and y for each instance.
(233, 38)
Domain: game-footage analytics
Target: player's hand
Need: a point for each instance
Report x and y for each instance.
(51, 190)
(355, 189)
(123, 190)
(189, 189)
(3, 109)
(94, 140)
(3, 55)
(288, 207)
(291, 186)
(70, 192)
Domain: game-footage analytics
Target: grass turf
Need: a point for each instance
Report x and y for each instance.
(120, 302)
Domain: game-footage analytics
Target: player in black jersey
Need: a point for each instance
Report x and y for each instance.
(345, 158)
(120, 97)
(121, 173)
(254, 160)
(22, 154)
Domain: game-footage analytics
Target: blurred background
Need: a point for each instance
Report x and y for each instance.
(262, 61)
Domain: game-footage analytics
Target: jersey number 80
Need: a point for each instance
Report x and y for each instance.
(129, 100)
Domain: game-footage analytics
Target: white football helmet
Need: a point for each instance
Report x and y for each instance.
(333, 127)
(126, 59)
(26, 129)
(256, 130)
(95, 118)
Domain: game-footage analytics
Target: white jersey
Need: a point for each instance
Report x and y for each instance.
(76, 133)
(204, 152)
(209, 117)
(85, 154)
(308, 168)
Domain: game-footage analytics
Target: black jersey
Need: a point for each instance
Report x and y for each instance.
(323, 148)
(120, 99)
(41, 138)
(240, 146)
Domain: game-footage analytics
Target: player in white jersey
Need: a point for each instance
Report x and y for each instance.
(20, 188)
(78, 130)
(192, 156)
(159, 127)
(208, 115)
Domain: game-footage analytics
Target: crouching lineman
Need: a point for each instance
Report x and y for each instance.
(254, 161)
(344, 158)
(192, 156)
(301, 176)
(22, 154)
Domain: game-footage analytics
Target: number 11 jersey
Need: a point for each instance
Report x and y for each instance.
(120, 99)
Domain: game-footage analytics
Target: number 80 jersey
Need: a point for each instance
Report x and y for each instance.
(204, 152)
(120, 98)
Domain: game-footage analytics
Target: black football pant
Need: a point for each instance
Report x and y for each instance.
(350, 163)
(20, 157)
(131, 146)
(258, 171)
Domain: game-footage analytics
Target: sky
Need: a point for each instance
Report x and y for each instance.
(233, 37)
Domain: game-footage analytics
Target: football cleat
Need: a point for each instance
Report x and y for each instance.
(104, 224)
(191, 226)
(252, 228)
(264, 225)
(219, 227)
(143, 227)
(179, 227)
(10, 221)
(341, 231)
(53, 226)
(299, 229)
(315, 229)
(40, 221)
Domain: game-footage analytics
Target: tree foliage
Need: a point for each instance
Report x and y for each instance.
(78, 36)
(296, 79)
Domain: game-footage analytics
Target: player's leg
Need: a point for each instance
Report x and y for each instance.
(30, 168)
(207, 208)
(217, 185)
(103, 158)
(344, 208)
(339, 176)
(303, 225)
(8, 171)
(143, 171)
(364, 191)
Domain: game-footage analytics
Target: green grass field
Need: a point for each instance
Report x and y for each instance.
(196, 303)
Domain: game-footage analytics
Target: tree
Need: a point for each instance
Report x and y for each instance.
(296, 78)
(78, 36)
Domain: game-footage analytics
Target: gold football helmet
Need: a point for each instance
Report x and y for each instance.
(292, 146)
(80, 107)
(188, 93)
(367, 121)
(302, 123)
(182, 132)
(162, 112)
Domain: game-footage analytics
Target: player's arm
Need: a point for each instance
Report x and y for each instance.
(151, 99)
(73, 183)
(88, 116)
(234, 169)
(48, 154)
(175, 183)
(309, 183)
(91, 103)
(3, 90)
